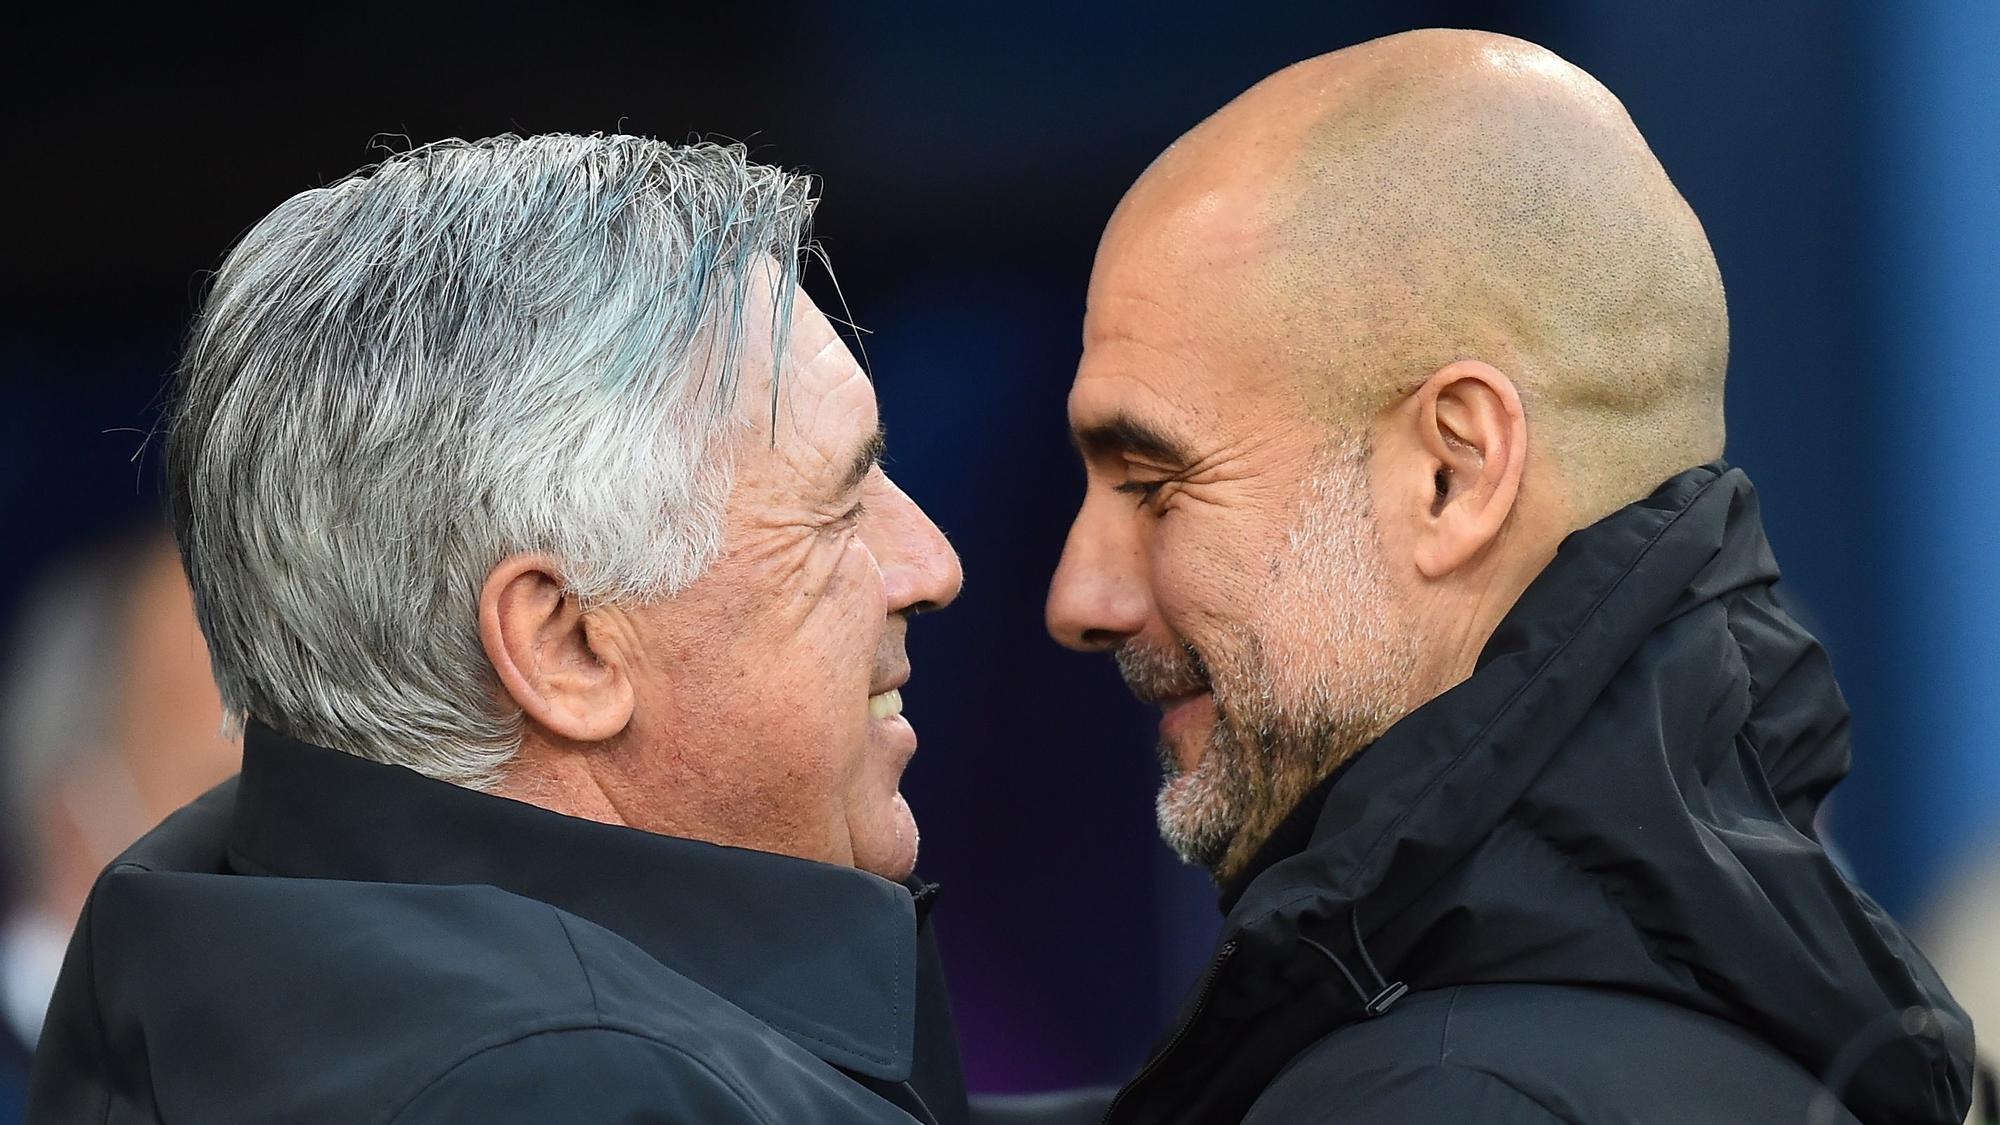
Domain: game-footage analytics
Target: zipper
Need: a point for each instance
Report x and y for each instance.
(1202, 991)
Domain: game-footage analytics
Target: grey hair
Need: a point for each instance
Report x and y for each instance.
(469, 351)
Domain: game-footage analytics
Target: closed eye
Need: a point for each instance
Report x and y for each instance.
(1143, 489)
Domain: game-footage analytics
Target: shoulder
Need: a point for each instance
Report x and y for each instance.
(425, 995)
(1395, 1068)
(1541, 1054)
(617, 1073)
(374, 948)
(586, 1073)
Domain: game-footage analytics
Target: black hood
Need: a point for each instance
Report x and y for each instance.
(1622, 795)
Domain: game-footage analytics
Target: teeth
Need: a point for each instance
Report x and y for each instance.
(889, 703)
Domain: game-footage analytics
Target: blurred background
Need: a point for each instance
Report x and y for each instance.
(1845, 158)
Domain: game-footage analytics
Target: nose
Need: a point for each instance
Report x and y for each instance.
(920, 571)
(1098, 597)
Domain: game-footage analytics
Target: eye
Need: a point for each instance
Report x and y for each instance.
(1145, 490)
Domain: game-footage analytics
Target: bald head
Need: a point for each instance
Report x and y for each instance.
(1371, 215)
(1361, 350)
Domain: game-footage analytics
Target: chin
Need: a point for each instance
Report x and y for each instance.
(890, 848)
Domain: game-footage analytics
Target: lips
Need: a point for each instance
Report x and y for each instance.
(885, 695)
(1176, 713)
(886, 704)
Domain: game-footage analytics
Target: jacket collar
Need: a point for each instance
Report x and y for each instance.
(1642, 745)
(826, 955)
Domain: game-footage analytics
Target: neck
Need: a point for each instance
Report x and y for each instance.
(1466, 621)
(1460, 625)
(558, 778)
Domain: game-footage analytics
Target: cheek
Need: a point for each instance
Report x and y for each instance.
(836, 652)
(783, 663)
(848, 598)
(1211, 569)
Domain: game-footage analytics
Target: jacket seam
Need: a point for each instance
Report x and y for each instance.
(791, 1026)
(1554, 1114)
(1445, 1059)
(1444, 1037)
(741, 1097)
(583, 969)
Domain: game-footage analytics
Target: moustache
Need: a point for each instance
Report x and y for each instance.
(1160, 674)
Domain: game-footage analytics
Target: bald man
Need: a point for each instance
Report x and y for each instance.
(1401, 409)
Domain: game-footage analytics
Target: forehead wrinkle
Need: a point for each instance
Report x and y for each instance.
(825, 451)
(814, 381)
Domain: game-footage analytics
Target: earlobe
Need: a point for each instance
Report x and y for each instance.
(1474, 435)
(561, 667)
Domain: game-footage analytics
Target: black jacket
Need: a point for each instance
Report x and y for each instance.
(14, 1056)
(1593, 866)
(326, 939)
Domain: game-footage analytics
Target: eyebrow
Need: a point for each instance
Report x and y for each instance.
(866, 457)
(1122, 433)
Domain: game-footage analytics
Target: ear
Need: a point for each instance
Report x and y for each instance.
(562, 666)
(1473, 439)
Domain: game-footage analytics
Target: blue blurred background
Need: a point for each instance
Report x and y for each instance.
(1845, 158)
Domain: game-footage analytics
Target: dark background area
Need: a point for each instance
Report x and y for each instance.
(1842, 156)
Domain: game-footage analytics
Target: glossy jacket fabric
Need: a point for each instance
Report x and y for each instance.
(327, 939)
(1584, 885)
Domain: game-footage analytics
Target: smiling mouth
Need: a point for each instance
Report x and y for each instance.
(886, 705)
(1182, 746)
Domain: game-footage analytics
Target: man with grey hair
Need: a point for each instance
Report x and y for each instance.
(537, 526)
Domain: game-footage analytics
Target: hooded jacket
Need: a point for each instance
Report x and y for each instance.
(329, 939)
(1584, 885)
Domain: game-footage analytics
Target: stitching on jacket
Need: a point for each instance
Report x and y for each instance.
(595, 1008)
(847, 1047)
(741, 1096)
(1522, 1094)
(1444, 1037)
(896, 1002)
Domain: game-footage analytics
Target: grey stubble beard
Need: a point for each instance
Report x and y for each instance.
(1322, 670)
